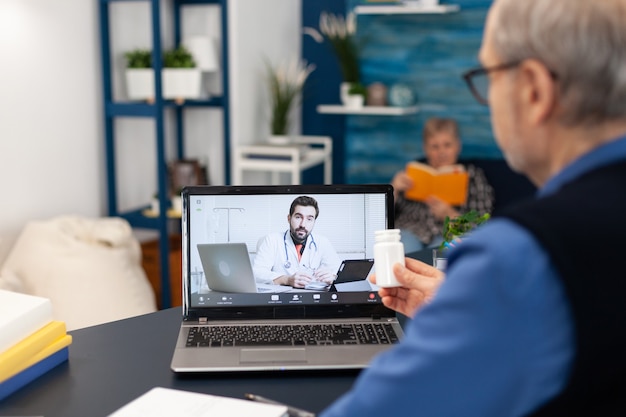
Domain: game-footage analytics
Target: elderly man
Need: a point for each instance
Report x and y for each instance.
(529, 320)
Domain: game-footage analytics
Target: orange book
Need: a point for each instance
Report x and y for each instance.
(449, 183)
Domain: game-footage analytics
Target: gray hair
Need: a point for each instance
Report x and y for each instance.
(583, 42)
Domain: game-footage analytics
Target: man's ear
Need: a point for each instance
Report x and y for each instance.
(538, 91)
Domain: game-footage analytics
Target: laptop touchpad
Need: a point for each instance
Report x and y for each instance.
(272, 355)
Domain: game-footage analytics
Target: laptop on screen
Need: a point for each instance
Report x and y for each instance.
(249, 252)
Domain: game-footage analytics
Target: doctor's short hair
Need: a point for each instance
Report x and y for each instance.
(304, 201)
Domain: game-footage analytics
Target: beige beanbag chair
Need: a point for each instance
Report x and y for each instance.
(89, 268)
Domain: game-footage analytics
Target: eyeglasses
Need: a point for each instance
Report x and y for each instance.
(478, 81)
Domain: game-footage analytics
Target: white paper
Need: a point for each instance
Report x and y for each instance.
(165, 402)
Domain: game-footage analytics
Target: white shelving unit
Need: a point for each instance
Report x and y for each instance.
(300, 153)
(368, 110)
(406, 9)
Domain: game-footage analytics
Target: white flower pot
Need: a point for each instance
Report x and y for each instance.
(177, 83)
(355, 101)
(344, 87)
(279, 139)
(140, 83)
(154, 206)
(177, 204)
(182, 83)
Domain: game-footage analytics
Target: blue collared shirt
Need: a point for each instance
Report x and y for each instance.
(496, 341)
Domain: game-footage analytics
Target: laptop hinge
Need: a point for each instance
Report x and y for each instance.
(203, 320)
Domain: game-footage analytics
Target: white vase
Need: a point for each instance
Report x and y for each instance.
(182, 83)
(344, 88)
(140, 83)
(355, 101)
(154, 206)
(177, 204)
(279, 139)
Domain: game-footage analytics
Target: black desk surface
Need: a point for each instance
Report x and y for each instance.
(113, 363)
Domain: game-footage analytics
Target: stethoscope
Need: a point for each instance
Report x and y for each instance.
(287, 263)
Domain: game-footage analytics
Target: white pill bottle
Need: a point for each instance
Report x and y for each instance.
(388, 250)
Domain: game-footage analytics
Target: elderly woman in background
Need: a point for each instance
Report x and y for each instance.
(421, 223)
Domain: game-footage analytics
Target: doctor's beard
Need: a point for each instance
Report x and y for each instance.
(296, 235)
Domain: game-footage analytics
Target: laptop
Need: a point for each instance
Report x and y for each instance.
(297, 329)
(227, 268)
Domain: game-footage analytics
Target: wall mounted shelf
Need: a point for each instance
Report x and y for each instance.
(406, 9)
(367, 110)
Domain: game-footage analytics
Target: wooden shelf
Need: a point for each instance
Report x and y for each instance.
(368, 110)
(171, 213)
(406, 9)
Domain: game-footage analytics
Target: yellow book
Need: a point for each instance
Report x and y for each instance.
(49, 350)
(448, 183)
(35, 346)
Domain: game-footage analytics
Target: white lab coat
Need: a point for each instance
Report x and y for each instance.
(277, 256)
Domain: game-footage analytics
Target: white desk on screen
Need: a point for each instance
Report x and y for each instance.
(299, 154)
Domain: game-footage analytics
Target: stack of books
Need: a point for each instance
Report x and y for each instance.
(31, 341)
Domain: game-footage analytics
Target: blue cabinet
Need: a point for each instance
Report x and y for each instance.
(155, 111)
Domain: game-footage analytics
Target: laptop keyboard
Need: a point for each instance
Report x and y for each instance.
(291, 335)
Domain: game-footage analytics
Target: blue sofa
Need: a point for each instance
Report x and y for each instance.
(508, 185)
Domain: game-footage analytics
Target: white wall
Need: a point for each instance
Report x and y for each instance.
(50, 113)
(261, 31)
(51, 125)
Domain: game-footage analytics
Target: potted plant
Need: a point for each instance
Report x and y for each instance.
(155, 204)
(340, 33)
(139, 74)
(286, 83)
(356, 96)
(453, 230)
(181, 78)
(177, 201)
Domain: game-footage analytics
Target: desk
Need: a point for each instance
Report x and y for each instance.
(300, 153)
(113, 363)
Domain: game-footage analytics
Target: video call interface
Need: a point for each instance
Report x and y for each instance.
(239, 243)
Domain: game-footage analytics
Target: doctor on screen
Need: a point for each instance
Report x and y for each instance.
(297, 256)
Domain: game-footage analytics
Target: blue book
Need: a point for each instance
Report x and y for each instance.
(33, 372)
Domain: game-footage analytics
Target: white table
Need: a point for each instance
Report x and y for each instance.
(295, 156)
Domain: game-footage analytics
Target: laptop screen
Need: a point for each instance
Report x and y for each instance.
(241, 244)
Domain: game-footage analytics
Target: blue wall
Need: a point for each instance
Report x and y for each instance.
(429, 53)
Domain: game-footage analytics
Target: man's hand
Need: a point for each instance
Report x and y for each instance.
(297, 280)
(326, 277)
(419, 281)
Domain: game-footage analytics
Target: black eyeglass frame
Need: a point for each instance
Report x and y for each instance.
(468, 76)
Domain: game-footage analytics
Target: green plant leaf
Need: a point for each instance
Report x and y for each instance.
(178, 58)
(138, 58)
(459, 226)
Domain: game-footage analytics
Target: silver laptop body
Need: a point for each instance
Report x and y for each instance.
(227, 268)
(237, 217)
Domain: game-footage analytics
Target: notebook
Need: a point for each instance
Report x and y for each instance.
(239, 328)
